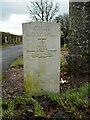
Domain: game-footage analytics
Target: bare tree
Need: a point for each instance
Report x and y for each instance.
(44, 10)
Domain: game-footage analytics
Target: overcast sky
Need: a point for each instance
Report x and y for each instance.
(15, 12)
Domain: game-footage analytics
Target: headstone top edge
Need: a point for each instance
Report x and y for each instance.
(40, 22)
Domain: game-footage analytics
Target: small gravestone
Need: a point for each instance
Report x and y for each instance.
(6, 39)
(41, 52)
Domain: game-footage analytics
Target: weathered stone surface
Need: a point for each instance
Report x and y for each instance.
(79, 40)
(41, 57)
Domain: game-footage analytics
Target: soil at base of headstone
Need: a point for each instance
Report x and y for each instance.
(13, 82)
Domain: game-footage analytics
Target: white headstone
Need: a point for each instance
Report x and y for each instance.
(41, 52)
(6, 39)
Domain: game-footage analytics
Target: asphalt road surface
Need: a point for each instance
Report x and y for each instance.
(8, 54)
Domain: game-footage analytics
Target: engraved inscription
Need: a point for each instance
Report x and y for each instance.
(41, 51)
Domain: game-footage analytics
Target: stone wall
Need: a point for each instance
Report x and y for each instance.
(79, 36)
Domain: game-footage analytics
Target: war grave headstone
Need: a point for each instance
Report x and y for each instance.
(41, 51)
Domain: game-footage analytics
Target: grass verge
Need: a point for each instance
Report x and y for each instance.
(18, 62)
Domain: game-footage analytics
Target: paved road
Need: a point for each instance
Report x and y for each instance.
(8, 55)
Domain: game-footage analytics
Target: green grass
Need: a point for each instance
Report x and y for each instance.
(18, 62)
(71, 99)
(12, 112)
(38, 109)
(62, 62)
(8, 112)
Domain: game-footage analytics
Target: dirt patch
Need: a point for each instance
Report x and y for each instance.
(12, 83)
(72, 81)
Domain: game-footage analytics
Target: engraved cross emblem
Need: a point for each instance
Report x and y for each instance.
(42, 51)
